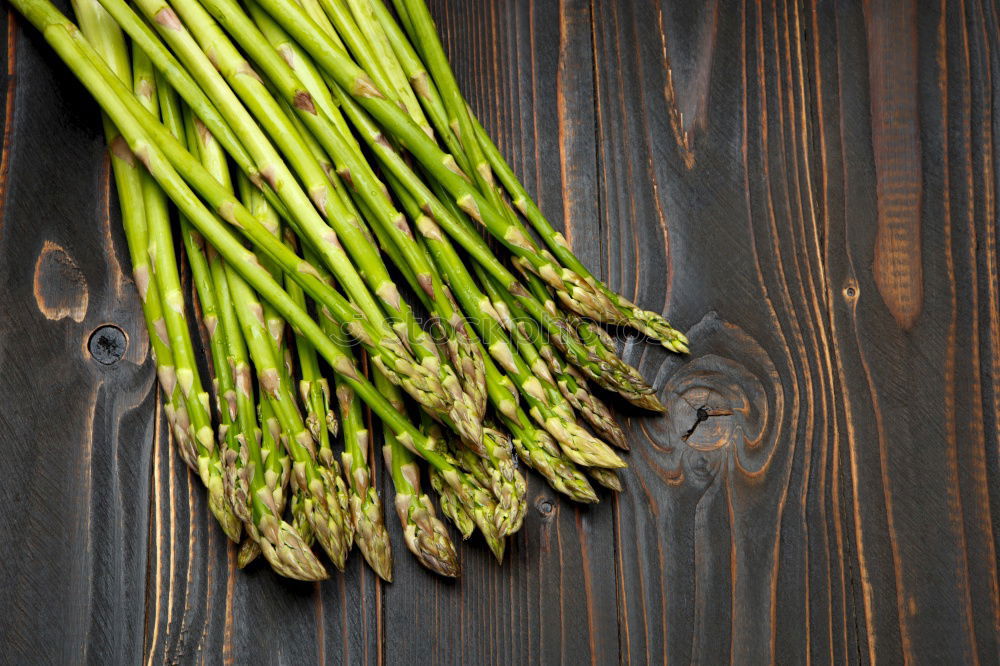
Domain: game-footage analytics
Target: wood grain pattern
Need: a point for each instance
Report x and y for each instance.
(892, 65)
(808, 188)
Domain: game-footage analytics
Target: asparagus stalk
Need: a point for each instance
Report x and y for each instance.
(497, 465)
(469, 401)
(314, 10)
(265, 441)
(448, 321)
(452, 508)
(283, 549)
(321, 419)
(252, 462)
(107, 39)
(359, 498)
(574, 291)
(607, 369)
(599, 349)
(178, 77)
(498, 472)
(410, 61)
(484, 154)
(535, 447)
(496, 469)
(525, 347)
(466, 414)
(349, 39)
(405, 59)
(420, 81)
(386, 349)
(597, 339)
(424, 32)
(540, 451)
(424, 534)
(273, 451)
(327, 244)
(269, 111)
(245, 429)
(259, 446)
(543, 357)
(284, 428)
(506, 482)
(361, 26)
(276, 465)
(319, 499)
(606, 477)
(160, 246)
(366, 506)
(256, 203)
(230, 359)
(578, 444)
(227, 405)
(499, 518)
(610, 371)
(300, 108)
(649, 323)
(451, 503)
(117, 101)
(366, 17)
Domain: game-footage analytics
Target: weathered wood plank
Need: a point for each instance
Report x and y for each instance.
(881, 473)
(919, 458)
(77, 433)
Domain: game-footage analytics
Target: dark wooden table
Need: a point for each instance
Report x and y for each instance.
(807, 188)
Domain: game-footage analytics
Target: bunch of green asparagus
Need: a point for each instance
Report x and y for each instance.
(314, 165)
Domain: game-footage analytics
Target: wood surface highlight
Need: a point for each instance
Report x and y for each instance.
(892, 66)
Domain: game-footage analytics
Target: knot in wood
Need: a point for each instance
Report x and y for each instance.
(725, 405)
(710, 405)
(544, 507)
(107, 344)
(710, 415)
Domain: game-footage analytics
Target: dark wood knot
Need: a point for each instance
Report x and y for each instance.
(107, 344)
(715, 403)
(545, 507)
(724, 403)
